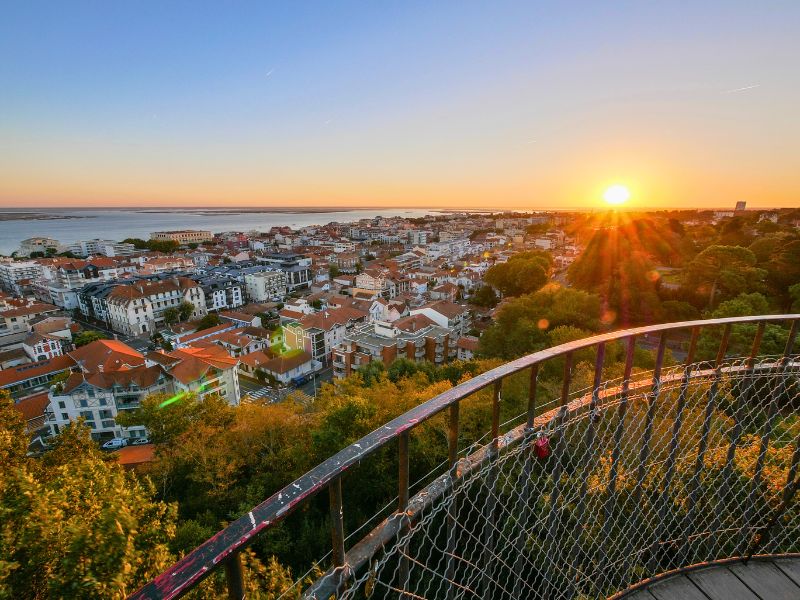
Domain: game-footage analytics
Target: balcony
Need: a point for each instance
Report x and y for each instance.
(659, 483)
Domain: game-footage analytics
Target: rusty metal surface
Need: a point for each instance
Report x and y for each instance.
(211, 555)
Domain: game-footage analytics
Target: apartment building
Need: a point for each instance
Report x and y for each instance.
(61, 281)
(414, 337)
(110, 377)
(325, 330)
(138, 307)
(183, 236)
(13, 272)
(446, 314)
(297, 268)
(94, 247)
(266, 286)
(39, 245)
(221, 292)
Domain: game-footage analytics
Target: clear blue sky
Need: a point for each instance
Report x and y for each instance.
(520, 104)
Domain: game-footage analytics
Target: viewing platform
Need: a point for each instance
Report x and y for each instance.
(624, 475)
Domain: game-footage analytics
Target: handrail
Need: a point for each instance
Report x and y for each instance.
(222, 548)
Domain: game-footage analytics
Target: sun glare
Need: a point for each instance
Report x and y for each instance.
(616, 195)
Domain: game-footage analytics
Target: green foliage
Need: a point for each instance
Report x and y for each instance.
(522, 274)
(485, 296)
(171, 315)
(333, 271)
(724, 272)
(742, 336)
(165, 246)
(521, 324)
(678, 310)
(185, 310)
(73, 524)
(210, 320)
(87, 337)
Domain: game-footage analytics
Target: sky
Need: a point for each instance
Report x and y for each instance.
(421, 104)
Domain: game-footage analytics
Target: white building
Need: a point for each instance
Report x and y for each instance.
(42, 245)
(100, 247)
(139, 307)
(13, 272)
(183, 236)
(265, 286)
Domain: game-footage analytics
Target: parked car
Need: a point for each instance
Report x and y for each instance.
(115, 444)
(140, 441)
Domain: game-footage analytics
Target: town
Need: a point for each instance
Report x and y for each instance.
(91, 328)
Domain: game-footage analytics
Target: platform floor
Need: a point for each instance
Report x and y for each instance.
(770, 579)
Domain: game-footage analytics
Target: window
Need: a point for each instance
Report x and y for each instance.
(61, 404)
(64, 417)
(103, 401)
(83, 403)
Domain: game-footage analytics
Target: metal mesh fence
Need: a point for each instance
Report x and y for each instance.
(688, 468)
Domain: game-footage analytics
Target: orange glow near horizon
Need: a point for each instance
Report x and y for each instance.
(616, 195)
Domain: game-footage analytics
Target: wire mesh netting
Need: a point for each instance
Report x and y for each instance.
(607, 490)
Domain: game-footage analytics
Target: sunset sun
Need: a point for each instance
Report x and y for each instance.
(616, 195)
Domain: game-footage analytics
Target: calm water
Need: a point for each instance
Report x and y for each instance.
(120, 224)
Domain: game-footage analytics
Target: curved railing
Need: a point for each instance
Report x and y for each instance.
(606, 485)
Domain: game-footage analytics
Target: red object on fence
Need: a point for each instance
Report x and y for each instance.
(542, 447)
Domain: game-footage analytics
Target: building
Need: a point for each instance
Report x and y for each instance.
(446, 314)
(61, 282)
(284, 368)
(138, 307)
(323, 331)
(420, 237)
(297, 268)
(94, 247)
(221, 292)
(11, 273)
(183, 236)
(266, 286)
(109, 377)
(415, 338)
(467, 346)
(24, 380)
(17, 318)
(39, 245)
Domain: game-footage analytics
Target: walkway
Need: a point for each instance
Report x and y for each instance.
(760, 579)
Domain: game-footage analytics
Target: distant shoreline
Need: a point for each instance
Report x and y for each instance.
(37, 216)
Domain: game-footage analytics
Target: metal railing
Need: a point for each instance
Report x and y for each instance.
(603, 487)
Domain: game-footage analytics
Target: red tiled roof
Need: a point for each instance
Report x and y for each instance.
(107, 355)
(328, 319)
(129, 456)
(196, 361)
(21, 373)
(33, 407)
(33, 309)
(283, 363)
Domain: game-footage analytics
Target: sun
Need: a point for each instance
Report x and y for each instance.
(616, 195)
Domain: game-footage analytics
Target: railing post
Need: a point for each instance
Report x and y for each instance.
(772, 410)
(523, 509)
(234, 576)
(491, 497)
(586, 461)
(402, 505)
(672, 454)
(553, 545)
(702, 446)
(337, 531)
(611, 500)
(452, 510)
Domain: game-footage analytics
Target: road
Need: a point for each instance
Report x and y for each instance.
(269, 394)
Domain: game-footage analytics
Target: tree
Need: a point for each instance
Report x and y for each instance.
(87, 337)
(138, 243)
(521, 325)
(783, 269)
(185, 310)
(724, 270)
(523, 273)
(210, 320)
(171, 315)
(333, 271)
(485, 296)
(72, 523)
